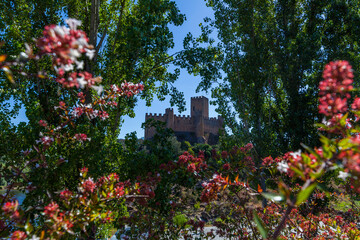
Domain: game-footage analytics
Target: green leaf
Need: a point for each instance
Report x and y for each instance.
(8, 74)
(345, 143)
(28, 227)
(103, 193)
(311, 151)
(260, 226)
(316, 175)
(343, 120)
(297, 171)
(325, 140)
(305, 193)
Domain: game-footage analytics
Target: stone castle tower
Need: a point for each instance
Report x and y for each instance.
(196, 128)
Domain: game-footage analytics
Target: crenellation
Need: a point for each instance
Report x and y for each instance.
(199, 97)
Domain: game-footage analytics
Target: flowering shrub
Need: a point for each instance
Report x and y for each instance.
(156, 205)
(299, 207)
(77, 212)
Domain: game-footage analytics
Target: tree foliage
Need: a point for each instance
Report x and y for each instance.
(130, 40)
(272, 55)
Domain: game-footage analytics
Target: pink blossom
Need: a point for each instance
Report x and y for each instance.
(66, 194)
(191, 167)
(84, 170)
(43, 123)
(224, 154)
(46, 140)
(51, 209)
(64, 44)
(119, 191)
(88, 185)
(10, 207)
(18, 235)
(268, 161)
(103, 115)
(81, 137)
(335, 87)
(249, 146)
(226, 166)
(356, 104)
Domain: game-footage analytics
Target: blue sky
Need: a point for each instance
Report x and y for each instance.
(195, 11)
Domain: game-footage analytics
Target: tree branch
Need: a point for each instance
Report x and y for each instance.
(119, 24)
(281, 225)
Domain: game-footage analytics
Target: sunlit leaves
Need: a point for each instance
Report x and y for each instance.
(273, 196)
(304, 194)
(260, 226)
(9, 74)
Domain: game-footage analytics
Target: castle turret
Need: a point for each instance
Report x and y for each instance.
(199, 111)
(169, 112)
(200, 107)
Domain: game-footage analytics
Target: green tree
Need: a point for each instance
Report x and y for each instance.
(131, 41)
(272, 54)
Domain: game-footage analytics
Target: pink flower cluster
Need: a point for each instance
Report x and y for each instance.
(46, 140)
(80, 79)
(334, 89)
(88, 185)
(51, 209)
(81, 137)
(189, 162)
(237, 154)
(66, 194)
(59, 219)
(212, 188)
(192, 163)
(127, 89)
(147, 185)
(305, 163)
(18, 235)
(65, 44)
(11, 209)
(233, 152)
(268, 161)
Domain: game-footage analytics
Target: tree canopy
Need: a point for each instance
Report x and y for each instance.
(131, 40)
(272, 53)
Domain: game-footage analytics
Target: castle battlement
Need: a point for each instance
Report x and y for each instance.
(182, 117)
(197, 127)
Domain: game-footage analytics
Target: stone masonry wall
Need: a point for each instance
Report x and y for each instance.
(198, 125)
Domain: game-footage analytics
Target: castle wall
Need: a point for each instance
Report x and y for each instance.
(150, 132)
(183, 124)
(212, 125)
(192, 128)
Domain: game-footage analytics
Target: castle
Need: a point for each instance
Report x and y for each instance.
(197, 128)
